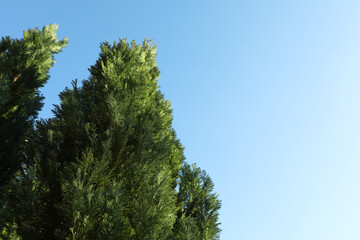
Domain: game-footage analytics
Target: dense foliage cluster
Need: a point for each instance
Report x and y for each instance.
(108, 165)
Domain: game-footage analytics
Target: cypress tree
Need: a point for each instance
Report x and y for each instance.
(198, 206)
(108, 165)
(24, 67)
(120, 118)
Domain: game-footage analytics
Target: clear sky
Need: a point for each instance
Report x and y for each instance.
(265, 97)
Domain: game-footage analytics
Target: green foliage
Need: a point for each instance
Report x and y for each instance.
(198, 204)
(135, 122)
(24, 67)
(23, 206)
(186, 229)
(93, 202)
(108, 165)
(9, 232)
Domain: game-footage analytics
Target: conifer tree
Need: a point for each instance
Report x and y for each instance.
(119, 107)
(24, 67)
(199, 207)
(108, 165)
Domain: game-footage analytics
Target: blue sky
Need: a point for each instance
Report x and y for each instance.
(265, 97)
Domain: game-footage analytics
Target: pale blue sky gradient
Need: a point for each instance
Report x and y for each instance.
(265, 97)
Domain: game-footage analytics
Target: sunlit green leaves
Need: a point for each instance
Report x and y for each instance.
(108, 165)
(24, 67)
